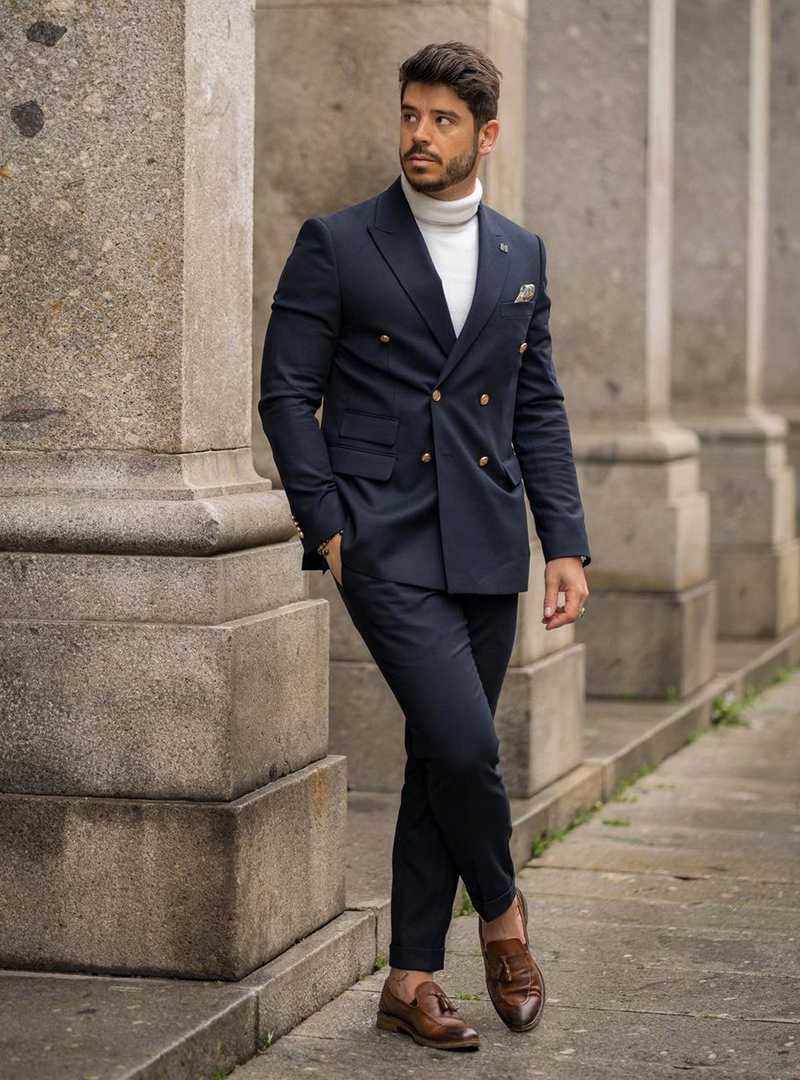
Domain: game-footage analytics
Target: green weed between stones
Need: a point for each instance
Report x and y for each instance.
(467, 907)
(265, 1041)
(542, 841)
(726, 710)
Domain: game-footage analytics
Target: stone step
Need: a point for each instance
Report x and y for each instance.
(77, 1027)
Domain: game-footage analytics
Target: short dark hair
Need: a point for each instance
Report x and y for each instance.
(469, 71)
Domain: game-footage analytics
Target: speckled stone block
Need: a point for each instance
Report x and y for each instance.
(650, 645)
(178, 887)
(539, 720)
(600, 172)
(163, 710)
(733, 287)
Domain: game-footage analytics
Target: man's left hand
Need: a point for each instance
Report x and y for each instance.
(563, 575)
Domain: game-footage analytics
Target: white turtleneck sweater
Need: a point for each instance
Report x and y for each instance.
(450, 230)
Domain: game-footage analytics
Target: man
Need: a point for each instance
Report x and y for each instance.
(421, 317)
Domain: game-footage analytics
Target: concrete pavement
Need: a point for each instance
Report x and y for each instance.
(667, 927)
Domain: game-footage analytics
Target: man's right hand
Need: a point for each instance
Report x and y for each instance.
(334, 557)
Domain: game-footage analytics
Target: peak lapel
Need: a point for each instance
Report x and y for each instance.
(403, 246)
(493, 266)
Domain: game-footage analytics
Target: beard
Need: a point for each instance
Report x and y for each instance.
(457, 169)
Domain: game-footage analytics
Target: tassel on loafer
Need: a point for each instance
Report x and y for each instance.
(431, 1019)
(513, 978)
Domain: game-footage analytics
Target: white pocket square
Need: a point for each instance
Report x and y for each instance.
(525, 293)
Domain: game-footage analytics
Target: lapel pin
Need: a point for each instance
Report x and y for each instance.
(504, 247)
(525, 293)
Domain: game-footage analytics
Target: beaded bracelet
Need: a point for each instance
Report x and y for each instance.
(322, 548)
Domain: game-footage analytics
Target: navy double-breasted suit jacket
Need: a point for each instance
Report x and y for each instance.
(427, 440)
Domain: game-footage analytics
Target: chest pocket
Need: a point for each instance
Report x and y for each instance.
(372, 427)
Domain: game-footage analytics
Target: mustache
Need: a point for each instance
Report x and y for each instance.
(421, 153)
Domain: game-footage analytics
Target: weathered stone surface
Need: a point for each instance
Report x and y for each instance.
(174, 887)
(129, 217)
(769, 608)
(366, 724)
(163, 710)
(676, 652)
(151, 588)
(647, 973)
(77, 1027)
(539, 720)
(720, 326)
(692, 892)
(341, 1041)
(306, 976)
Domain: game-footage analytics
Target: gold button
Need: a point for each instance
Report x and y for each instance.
(301, 534)
(426, 456)
(436, 395)
(385, 338)
(484, 399)
(483, 460)
(523, 346)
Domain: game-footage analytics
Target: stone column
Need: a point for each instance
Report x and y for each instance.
(782, 361)
(720, 311)
(599, 187)
(339, 160)
(168, 805)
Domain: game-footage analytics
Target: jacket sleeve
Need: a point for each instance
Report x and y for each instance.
(299, 347)
(543, 443)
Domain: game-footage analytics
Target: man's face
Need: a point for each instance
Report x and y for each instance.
(439, 143)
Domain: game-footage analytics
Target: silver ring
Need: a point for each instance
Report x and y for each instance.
(582, 612)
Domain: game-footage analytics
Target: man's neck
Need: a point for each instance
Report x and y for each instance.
(442, 211)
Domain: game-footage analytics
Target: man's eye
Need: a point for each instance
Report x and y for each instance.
(446, 119)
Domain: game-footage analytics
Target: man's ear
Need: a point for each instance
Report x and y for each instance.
(488, 136)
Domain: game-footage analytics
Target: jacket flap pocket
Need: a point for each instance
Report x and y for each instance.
(512, 468)
(369, 426)
(372, 463)
(524, 308)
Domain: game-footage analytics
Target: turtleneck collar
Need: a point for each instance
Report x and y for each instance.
(442, 211)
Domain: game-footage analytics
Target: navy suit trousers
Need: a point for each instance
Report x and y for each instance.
(444, 657)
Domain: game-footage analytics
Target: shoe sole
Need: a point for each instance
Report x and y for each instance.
(531, 1023)
(394, 1023)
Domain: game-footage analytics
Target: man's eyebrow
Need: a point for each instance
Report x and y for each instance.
(444, 112)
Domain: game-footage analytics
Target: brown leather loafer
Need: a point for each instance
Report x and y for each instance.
(513, 978)
(431, 1019)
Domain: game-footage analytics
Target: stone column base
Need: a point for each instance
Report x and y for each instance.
(169, 807)
(649, 644)
(759, 589)
(142, 676)
(540, 720)
(177, 888)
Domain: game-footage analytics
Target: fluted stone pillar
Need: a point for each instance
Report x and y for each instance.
(168, 805)
(782, 360)
(721, 211)
(339, 160)
(599, 184)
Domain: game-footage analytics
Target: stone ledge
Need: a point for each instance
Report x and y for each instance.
(184, 1028)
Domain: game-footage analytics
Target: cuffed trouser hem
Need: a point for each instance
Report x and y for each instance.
(496, 906)
(415, 958)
